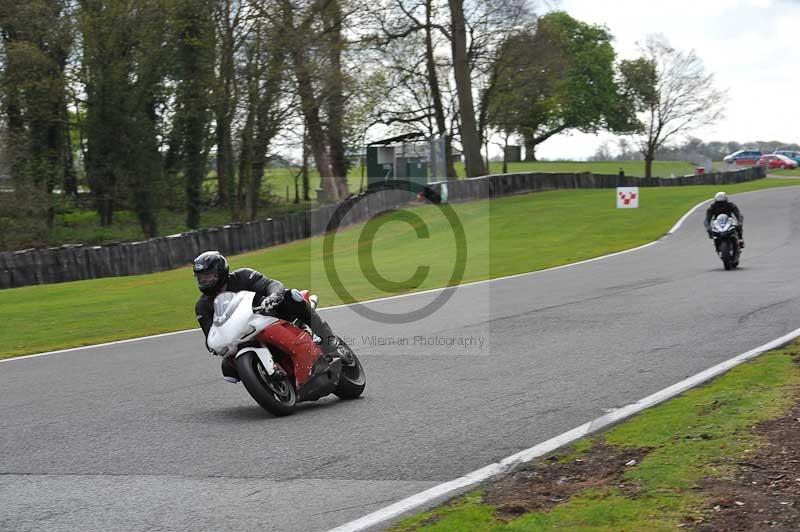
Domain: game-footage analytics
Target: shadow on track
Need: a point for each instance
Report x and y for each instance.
(236, 414)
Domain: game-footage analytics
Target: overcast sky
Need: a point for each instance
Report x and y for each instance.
(751, 46)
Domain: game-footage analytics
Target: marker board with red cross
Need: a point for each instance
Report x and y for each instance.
(627, 197)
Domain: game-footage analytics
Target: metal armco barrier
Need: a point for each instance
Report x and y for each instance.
(74, 262)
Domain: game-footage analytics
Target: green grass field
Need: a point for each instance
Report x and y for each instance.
(795, 172)
(505, 236)
(277, 180)
(703, 433)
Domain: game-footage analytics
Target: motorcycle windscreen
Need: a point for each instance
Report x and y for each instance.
(224, 306)
(723, 223)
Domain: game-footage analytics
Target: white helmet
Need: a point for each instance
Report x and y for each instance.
(720, 196)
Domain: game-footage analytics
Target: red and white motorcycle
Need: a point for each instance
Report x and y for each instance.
(281, 363)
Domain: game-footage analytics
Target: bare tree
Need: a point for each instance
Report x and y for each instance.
(412, 35)
(264, 111)
(489, 25)
(679, 97)
(409, 34)
(300, 23)
(470, 139)
(334, 81)
(228, 16)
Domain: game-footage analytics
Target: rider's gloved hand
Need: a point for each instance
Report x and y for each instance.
(273, 300)
(709, 233)
(270, 302)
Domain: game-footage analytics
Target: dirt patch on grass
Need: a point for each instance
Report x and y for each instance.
(763, 493)
(545, 483)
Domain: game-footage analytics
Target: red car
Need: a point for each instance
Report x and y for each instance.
(776, 160)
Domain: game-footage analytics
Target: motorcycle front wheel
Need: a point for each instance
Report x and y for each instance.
(353, 379)
(276, 395)
(726, 254)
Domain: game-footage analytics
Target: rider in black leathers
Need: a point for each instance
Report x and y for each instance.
(722, 205)
(211, 270)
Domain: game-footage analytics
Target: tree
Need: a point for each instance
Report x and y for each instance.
(36, 41)
(263, 78)
(462, 72)
(334, 80)
(123, 70)
(193, 30)
(298, 25)
(436, 91)
(556, 76)
(413, 34)
(602, 153)
(674, 93)
(489, 24)
(227, 21)
(416, 73)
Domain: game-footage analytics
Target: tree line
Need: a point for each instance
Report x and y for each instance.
(691, 149)
(134, 100)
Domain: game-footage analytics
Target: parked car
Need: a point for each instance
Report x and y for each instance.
(743, 157)
(774, 160)
(793, 155)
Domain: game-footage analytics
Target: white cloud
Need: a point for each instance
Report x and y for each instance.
(751, 46)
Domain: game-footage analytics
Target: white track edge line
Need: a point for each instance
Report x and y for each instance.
(334, 307)
(679, 223)
(473, 283)
(95, 346)
(449, 488)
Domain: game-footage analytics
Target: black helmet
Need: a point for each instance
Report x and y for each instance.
(211, 270)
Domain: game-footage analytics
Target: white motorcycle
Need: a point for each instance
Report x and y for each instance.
(281, 363)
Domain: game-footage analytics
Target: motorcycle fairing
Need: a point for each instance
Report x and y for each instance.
(234, 321)
(325, 377)
(723, 224)
(286, 338)
(264, 355)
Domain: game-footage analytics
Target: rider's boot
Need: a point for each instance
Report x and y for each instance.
(329, 342)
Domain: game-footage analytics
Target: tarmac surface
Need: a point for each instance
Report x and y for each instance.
(147, 436)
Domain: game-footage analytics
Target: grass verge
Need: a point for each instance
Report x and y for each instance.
(795, 172)
(649, 473)
(504, 237)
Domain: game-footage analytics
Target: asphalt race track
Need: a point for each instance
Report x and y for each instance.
(146, 435)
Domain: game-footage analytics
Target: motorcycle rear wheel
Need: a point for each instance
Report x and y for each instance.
(276, 395)
(353, 379)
